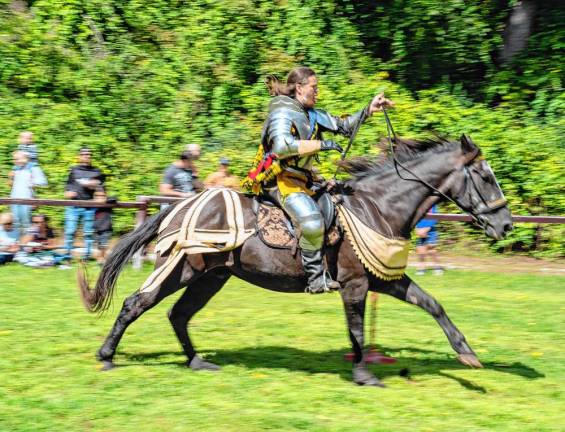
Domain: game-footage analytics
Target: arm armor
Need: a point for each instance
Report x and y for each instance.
(343, 126)
(282, 140)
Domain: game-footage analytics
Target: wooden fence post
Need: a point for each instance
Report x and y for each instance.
(140, 217)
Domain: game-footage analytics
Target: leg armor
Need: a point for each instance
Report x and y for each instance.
(307, 218)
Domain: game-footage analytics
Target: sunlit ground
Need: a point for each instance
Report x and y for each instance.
(282, 360)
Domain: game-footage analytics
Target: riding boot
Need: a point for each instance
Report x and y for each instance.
(319, 280)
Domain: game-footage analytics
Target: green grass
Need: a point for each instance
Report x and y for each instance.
(282, 360)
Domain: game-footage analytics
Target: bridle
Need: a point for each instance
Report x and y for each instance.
(475, 211)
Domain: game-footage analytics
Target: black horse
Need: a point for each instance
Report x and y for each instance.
(392, 205)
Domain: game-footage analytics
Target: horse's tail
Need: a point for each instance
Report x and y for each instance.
(100, 298)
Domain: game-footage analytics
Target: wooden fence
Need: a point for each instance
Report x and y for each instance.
(145, 201)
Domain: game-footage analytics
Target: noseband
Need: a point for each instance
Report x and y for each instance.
(484, 206)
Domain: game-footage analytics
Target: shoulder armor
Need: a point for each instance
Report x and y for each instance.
(285, 111)
(326, 120)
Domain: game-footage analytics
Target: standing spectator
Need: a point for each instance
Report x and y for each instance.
(426, 243)
(222, 177)
(27, 146)
(82, 182)
(102, 224)
(179, 179)
(24, 178)
(8, 238)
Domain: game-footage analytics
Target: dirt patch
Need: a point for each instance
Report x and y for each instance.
(499, 264)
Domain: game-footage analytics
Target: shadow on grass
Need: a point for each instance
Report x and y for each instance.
(294, 359)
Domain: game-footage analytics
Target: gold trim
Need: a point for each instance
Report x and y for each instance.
(384, 257)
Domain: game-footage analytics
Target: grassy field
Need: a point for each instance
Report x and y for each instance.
(282, 360)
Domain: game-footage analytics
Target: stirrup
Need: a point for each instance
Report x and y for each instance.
(328, 285)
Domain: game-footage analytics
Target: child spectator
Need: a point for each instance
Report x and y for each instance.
(27, 146)
(102, 224)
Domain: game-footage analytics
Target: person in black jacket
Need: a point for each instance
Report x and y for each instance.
(82, 182)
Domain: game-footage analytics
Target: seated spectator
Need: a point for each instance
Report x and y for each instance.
(82, 181)
(8, 238)
(222, 177)
(25, 177)
(426, 243)
(38, 246)
(102, 224)
(27, 146)
(179, 179)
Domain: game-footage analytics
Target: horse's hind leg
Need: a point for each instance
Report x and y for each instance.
(407, 290)
(195, 297)
(134, 306)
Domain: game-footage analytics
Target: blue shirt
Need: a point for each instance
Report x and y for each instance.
(428, 223)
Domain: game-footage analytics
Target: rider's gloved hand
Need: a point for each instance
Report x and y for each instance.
(330, 145)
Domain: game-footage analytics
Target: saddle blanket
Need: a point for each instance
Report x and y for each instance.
(226, 230)
(384, 257)
(195, 236)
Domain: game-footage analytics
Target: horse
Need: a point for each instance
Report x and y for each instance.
(379, 191)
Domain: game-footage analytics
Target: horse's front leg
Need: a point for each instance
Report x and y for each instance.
(354, 295)
(407, 290)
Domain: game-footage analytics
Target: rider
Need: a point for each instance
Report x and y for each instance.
(292, 136)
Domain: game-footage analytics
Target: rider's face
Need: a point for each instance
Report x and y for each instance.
(307, 93)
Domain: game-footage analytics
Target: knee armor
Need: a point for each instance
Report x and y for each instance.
(306, 216)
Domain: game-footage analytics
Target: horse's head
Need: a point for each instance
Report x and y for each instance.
(475, 189)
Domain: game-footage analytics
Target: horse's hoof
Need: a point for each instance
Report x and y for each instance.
(470, 360)
(198, 363)
(107, 365)
(362, 376)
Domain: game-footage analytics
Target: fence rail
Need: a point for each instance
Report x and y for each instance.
(144, 201)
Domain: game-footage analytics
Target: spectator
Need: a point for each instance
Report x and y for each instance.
(39, 245)
(82, 182)
(426, 243)
(222, 177)
(27, 146)
(40, 233)
(102, 224)
(8, 238)
(24, 178)
(180, 179)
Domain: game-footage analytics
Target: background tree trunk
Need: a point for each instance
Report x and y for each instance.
(518, 29)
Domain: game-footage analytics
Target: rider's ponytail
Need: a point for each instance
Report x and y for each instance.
(298, 75)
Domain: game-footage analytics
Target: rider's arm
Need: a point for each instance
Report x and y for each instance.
(342, 125)
(285, 145)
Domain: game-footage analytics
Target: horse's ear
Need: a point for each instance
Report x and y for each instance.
(467, 144)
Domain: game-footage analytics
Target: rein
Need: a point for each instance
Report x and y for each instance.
(486, 207)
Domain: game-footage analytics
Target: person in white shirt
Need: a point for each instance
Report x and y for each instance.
(25, 177)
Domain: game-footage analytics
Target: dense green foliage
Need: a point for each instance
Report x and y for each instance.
(282, 360)
(136, 81)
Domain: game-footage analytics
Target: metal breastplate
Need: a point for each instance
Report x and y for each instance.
(283, 109)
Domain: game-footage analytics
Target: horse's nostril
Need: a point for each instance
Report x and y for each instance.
(508, 227)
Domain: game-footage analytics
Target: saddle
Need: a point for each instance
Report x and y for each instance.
(275, 229)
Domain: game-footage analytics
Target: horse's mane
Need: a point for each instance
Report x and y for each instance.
(404, 149)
